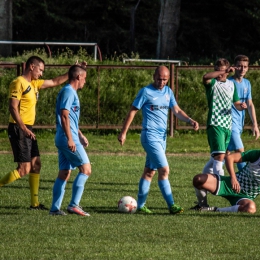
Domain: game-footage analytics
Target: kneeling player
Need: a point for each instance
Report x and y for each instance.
(240, 188)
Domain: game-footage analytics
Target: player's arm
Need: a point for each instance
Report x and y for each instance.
(180, 114)
(83, 140)
(50, 83)
(240, 105)
(129, 118)
(214, 74)
(252, 114)
(14, 111)
(230, 160)
(65, 122)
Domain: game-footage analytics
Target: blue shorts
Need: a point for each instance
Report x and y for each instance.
(235, 141)
(68, 160)
(155, 154)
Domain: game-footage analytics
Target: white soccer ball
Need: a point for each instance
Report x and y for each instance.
(127, 204)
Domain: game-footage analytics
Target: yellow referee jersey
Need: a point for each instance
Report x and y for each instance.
(27, 93)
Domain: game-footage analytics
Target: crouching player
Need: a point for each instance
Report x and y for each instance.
(240, 188)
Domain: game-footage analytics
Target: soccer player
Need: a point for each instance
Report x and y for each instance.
(155, 100)
(238, 117)
(221, 93)
(240, 188)
(23, 96)
(70, 143)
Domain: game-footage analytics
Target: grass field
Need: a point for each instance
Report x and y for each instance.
(108, 234)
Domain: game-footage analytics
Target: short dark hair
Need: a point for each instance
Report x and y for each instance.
(222, 62)
(241, 57)
(74, 71)
(33, 60)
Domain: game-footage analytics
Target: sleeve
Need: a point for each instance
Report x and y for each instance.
(173, 101)
(249, 93)
(66, 100)
(250, 156)
(39, 83)
(140, 99)
(16, 89)
(235, 95)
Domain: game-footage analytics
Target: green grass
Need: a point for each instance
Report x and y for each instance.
(108, 234)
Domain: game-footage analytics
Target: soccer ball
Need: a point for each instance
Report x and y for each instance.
(127, 204)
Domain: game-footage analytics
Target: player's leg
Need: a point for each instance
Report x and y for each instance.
(58, 190)
(236, 145)
(80, 159)
(143, 189)
(21, 147)
(208, 182)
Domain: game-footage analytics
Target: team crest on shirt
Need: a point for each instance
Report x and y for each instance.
(167, 97)
(245, 90)
(76, 109)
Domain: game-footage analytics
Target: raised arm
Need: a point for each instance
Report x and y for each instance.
(214, 74)
(50, 83)
(129, 118)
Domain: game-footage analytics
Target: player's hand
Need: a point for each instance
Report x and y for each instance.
(29, 134)
(121, 138)
(243, 105)
(72, 146)
(230, 69)
(195, 124)
(235, 185)
(82, 64)
(255, 131)
(83, 140)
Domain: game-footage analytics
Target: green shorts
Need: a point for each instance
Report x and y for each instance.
(225, 190)
(218, 139)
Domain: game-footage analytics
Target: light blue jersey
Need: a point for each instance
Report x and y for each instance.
(244, 93)
(155, 105)
(67, 99)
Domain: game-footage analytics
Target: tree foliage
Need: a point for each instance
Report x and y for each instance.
(208, 29)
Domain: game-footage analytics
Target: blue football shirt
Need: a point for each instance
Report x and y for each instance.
(244, 93)
(155, 105)
(67, 99)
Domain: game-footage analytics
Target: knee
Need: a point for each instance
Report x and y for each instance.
(198, 180)
(248, 208)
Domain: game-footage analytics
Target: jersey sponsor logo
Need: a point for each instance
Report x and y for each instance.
(167, 97)
(156, 107)
(27, 90)
(245, 90)
(76, 109)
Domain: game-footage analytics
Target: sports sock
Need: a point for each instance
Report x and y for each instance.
(208, 168)
(218, 167)
(241, 165)
(229, 209)
(144, 187)
(34, 183)
(166, 191)
(9, 177)
(202, 197)
(58, 194)
(78, 188)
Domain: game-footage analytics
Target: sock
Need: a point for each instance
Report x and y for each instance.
(241, 165)
(208, 168)
(9, 177)
(202, 197)
(229, 209)
(144, 187)
(218, 167)
(58, 194)
(78, 188)
(166, 191)
(34, 183)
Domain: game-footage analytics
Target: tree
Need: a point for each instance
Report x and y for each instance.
(168, 25)
(6, 26)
